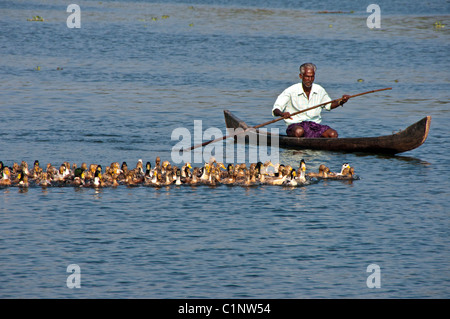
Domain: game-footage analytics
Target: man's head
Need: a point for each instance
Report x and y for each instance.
(307, 74)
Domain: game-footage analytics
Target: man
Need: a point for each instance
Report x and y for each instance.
(301, 96)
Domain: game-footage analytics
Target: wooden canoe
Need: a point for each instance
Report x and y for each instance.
(408, 139)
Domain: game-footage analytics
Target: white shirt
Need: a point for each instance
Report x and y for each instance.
(294, 99)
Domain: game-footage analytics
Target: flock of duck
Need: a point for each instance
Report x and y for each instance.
(164, 174)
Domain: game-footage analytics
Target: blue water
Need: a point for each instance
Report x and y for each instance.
(127, 81)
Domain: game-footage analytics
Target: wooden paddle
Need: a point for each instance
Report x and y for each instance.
(279, 119)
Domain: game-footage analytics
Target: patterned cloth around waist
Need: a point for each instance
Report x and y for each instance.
(311, 129)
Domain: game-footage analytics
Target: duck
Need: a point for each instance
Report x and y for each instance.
(173, 173)
(90, 173)
(124, 169)
(302, 172)
(167, 180)
(113, 182)
(6, 177)
(149, 173)
(276, 169)
(204, 171)
(155, 180)
(260, 172)
(148, 170)
(347, 172)
(211, 177)
(80, 170)
(36, 170)
(108, 176)
(247, 180)
(178, 177)
(253, 172)
(78, 180)
(194, 179)
(291, 180)
(230, 179)
(240, 173)
(23, 182)
(345, 169)
(217, 165)
(97, 182)
(61, 175)
(279, 178)
(228, 172)
(264, 168)
(74, 167)
(186, 170)
(158, 163)
(139, 169)
(43, 180)
(51, 170)
(186, 174)
(67, 170)
(132, 179)
(324, 172)
(15, 170)
(164, 167)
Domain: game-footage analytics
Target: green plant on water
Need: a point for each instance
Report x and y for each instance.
(38, 68)
(165, 17)
(36, 18)
(438, 25)
(191, 24)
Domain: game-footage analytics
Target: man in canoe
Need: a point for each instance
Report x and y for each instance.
(301, 96)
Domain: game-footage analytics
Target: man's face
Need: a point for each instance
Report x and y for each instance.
(308, 77)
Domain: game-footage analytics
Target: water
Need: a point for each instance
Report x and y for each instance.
(128, 81)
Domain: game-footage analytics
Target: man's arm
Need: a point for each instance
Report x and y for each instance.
(285, 115)
(280, 104)
(340, 102)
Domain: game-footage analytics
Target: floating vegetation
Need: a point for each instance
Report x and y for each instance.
(163, 17)
(438, 25)
(191, 24)
(360, 80)
(36, 18)
(59, 68)
(38, 68)
(326, 11)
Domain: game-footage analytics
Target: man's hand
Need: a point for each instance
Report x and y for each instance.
(344, 99)
(285, 115)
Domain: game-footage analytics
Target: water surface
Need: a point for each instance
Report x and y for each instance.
(128, 80)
